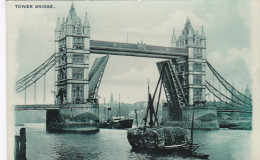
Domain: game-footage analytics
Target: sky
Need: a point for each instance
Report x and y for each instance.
(227, 25)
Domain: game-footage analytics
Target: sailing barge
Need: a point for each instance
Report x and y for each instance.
(162, 139)
(158, 138)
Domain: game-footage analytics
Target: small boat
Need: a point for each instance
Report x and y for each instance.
(164, 139)
(157, 138)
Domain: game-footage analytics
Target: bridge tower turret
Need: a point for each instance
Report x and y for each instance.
(174, 40)
(86, 26)
(192, 70)
(72, 40)
(203, 38)
(58, 29)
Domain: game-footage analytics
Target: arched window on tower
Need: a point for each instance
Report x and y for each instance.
(78, 43)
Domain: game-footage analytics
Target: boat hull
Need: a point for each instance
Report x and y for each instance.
(156, 138)
(118, 124)
(163, 140)
(122, 124)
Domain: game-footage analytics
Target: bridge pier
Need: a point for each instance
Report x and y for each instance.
(73, 119)
(205, 117)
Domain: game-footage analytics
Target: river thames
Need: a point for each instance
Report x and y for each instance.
(111, 144)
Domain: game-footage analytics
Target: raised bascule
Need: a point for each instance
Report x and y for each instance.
(76, 85)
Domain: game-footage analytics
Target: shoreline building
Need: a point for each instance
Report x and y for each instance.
(248, 92)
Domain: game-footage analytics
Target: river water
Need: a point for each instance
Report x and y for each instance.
(111, 144)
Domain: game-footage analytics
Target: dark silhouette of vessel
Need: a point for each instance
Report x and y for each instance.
(118, 121)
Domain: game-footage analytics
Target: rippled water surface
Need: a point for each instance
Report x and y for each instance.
(108, 144)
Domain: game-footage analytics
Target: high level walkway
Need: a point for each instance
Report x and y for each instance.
(136, 50)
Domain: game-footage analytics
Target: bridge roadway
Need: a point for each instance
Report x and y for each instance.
(58, 106)
(136, 50)
(51, 106)
(235, 109)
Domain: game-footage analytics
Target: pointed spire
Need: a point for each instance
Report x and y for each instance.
(188, 20)
(247, 89)
(63, 23)
(190, 33)
(72, 5)
(173, 36)
(69, 20)
(197, 34)
(111, 99)
(58, 25)
(203, 36)
(86, 22)
(174, 40)
(72, 17)
(188, 30)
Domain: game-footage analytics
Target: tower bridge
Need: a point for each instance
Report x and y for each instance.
(184, 81)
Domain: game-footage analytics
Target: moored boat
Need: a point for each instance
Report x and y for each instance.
(122, 122)
(158, 138)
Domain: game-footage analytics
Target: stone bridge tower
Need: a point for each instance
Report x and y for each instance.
(72, 38)
(72, 44)
(192, 70)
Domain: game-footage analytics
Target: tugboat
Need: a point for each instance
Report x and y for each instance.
(118, 121)
(157, 138)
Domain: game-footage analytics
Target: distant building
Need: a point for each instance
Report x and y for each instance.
(111, 99)
(248, 92)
